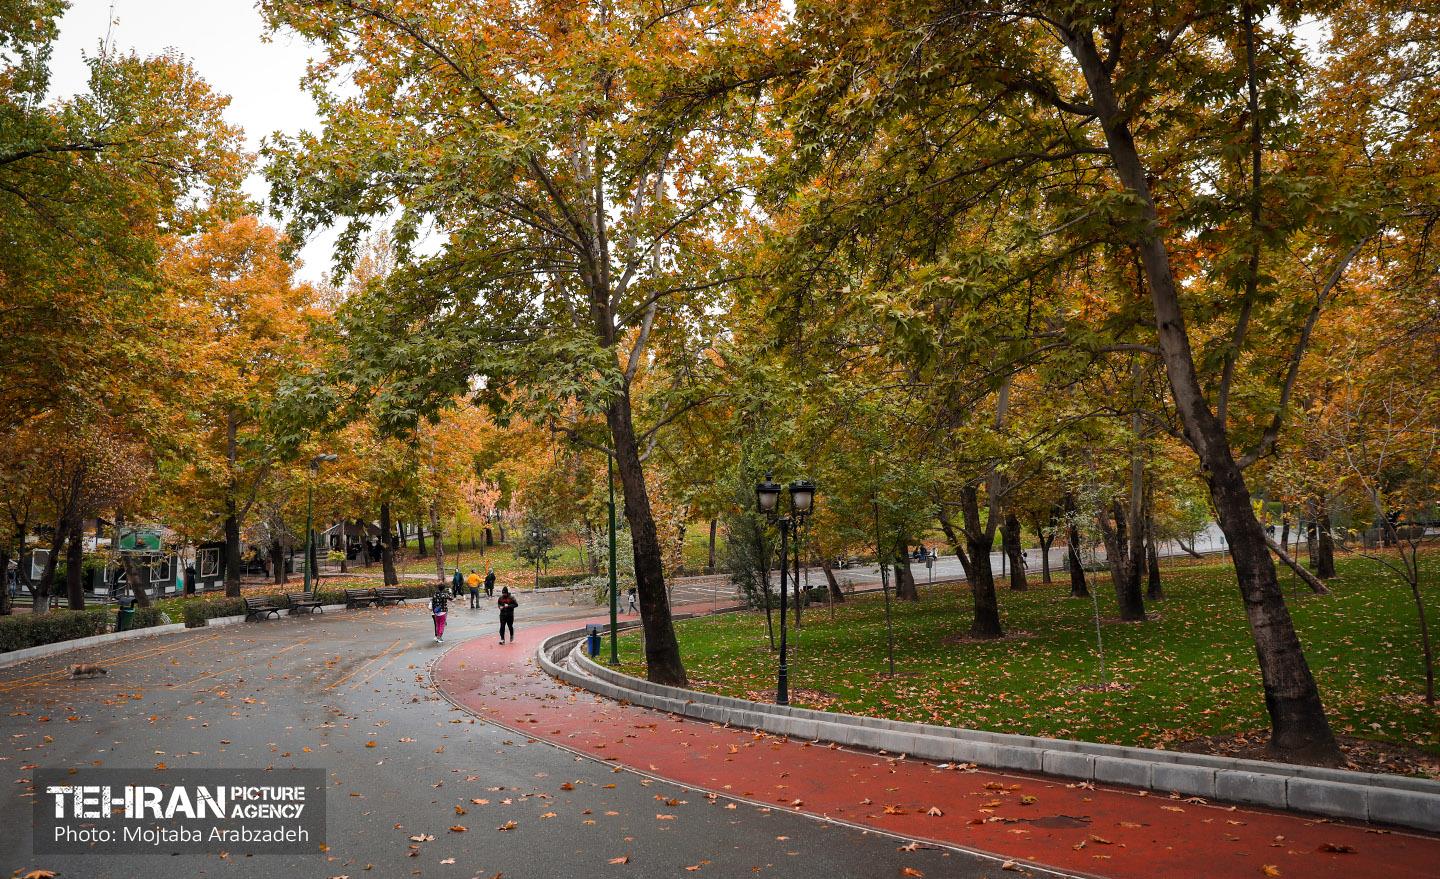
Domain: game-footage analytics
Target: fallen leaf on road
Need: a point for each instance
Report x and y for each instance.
(623, 859)
(1270, 870)
(1337, 849)
(458, 828)
(508, 825)
(911, 871)
(934, 812)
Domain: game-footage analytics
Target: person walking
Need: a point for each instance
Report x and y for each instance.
(507, 604)
(632, 606)
(473, 581)
(438, 612)
(490, 581)
(457, 582)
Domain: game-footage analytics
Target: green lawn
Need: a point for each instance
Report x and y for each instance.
(1189, 672)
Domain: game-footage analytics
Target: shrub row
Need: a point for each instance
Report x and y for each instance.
(19, 631)
(199, 611)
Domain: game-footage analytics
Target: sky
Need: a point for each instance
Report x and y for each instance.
(226, 41)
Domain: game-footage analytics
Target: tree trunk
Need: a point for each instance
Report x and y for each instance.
(404, 535)
(6, 606)
(836, 594)
(74, 561)
(1325, 553)
(1124, 568)
(1299, 727)
(1316, 584)
(232, 551)
(277, 561)
(905, 587)
(1047, 538)
(975, 556)
(1074, 562)
(439, 541)
(662, 650)
(1154, 589)
(710, 566)
(387, 547)
(420, 536)
(1010, 543)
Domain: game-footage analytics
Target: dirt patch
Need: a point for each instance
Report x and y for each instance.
(1361, 755)
(1015, 635)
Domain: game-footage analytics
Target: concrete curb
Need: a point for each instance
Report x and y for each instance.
(1337, 793)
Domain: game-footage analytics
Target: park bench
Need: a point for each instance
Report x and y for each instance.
(258, 607)
(389, 595)
(303, 602)
(360, 597)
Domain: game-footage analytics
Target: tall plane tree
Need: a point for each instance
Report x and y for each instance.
(578, 212)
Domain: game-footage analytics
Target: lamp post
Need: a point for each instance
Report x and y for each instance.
(315, 463)
(802, 500)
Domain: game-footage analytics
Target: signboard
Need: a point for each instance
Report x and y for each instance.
(140, 541)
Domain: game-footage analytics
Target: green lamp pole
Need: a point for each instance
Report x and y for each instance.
(315, 463)
(614, 588)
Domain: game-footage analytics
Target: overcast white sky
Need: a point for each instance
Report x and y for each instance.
(224, 39)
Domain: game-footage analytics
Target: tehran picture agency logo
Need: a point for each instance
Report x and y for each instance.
(199, 811)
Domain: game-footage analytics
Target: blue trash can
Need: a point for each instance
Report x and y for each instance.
(592, 640)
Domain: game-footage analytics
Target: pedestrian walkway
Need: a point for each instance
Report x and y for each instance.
(1030, 820)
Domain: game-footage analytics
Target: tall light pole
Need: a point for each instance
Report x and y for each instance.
(315, 463)
(802, 501)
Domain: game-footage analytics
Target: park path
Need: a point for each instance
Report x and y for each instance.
(1031, 820)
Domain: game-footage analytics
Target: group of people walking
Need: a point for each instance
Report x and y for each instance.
(439, 604)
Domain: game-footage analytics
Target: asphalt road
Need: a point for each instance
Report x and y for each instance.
(315, 692)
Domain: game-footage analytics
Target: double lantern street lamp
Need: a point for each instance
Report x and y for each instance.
(315, 462)
(802, 501)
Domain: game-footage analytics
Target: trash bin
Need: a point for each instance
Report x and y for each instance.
(125, 614)
(592, 640)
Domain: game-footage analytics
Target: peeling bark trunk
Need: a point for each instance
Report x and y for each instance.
(74, 561)
(1075, 563)
(1010, 541)
(836, 594)
(905, 587)
(1299, 728)
(387, 547)
(232, 551)
(662, 650)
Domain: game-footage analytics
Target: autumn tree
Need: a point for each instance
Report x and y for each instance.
(580, 243)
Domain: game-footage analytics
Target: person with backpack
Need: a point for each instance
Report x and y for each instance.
(438, 611)
(490, 581)
(507, 604)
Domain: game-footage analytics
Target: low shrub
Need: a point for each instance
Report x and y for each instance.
(19, 631)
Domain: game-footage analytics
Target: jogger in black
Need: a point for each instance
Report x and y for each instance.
(507, 605)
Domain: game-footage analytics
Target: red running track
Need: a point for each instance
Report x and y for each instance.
(1112, 832)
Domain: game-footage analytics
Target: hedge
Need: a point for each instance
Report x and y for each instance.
(199, 611)
(19, 631)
